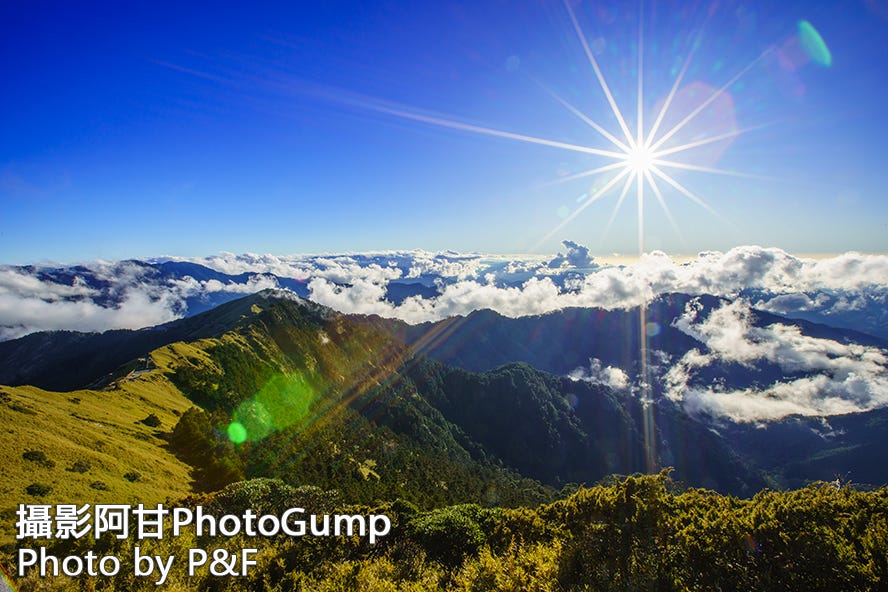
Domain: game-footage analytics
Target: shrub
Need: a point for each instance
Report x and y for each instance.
(38, 456)
(132, 476)
(152, 421)
(449, 535)
(197, 442)
(532, 567)
(38, 489)
(100, 485)
(34, 455)
(80, 466)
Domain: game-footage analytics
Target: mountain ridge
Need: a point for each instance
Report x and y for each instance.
(510, 422)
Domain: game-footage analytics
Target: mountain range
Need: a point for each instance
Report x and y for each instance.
(482, 408)
(846, 291)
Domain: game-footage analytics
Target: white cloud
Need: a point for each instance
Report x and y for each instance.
(819, 395)
(22, 315)
(610, 376)
(255, 283)
(821, 376)
(513, 286)
(777, 273)
(131, 297)
(791, 303)
(343, 268)
(232, 264)
(577, 256)
(17, 282)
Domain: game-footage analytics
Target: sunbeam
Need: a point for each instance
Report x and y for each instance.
(598, 195)
(583, 117)
(468, 127)
(681, 188)
(639, 185)
(604, 87)
(672, 91)
(709, 100)
(659, 195)
(580, 175)
(711, 140)
(640, 157)
(639, 136)
(704, 169)
(616, 210)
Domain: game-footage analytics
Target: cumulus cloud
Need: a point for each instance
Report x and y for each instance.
(821, 377)
(597, 373)
(100, 296)
(30, 302)
(536, 296)
(232, 264)
(343, 268)
(577, 256)
(18, 282)
(526, 288)
(853, 288)
(792, 303)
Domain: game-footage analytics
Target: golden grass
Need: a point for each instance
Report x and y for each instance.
(101, 428)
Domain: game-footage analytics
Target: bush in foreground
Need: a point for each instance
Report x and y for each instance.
(633, 534)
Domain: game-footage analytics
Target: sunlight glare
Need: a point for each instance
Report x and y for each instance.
(640, 159)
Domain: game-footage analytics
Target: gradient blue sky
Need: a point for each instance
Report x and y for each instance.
(149, 129)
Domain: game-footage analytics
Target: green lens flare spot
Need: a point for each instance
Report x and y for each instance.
(237, 433)
(813, 44)
(282, 402)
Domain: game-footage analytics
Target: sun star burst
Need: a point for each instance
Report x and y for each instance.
(640, 157)
(637, 159)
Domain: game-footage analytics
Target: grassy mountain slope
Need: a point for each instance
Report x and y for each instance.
(96, 446)
(68, 360)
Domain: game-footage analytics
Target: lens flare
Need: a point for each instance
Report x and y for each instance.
(283, 401)
(237, 433)
(814, 45)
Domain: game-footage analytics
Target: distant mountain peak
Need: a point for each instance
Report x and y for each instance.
(281, 294)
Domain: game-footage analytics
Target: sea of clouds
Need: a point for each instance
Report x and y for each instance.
(101, 295)
(847, 290)
(820, 377)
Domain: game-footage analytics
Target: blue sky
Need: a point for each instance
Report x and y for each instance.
(147, 129)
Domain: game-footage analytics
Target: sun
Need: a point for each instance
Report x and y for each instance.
(640, 160)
